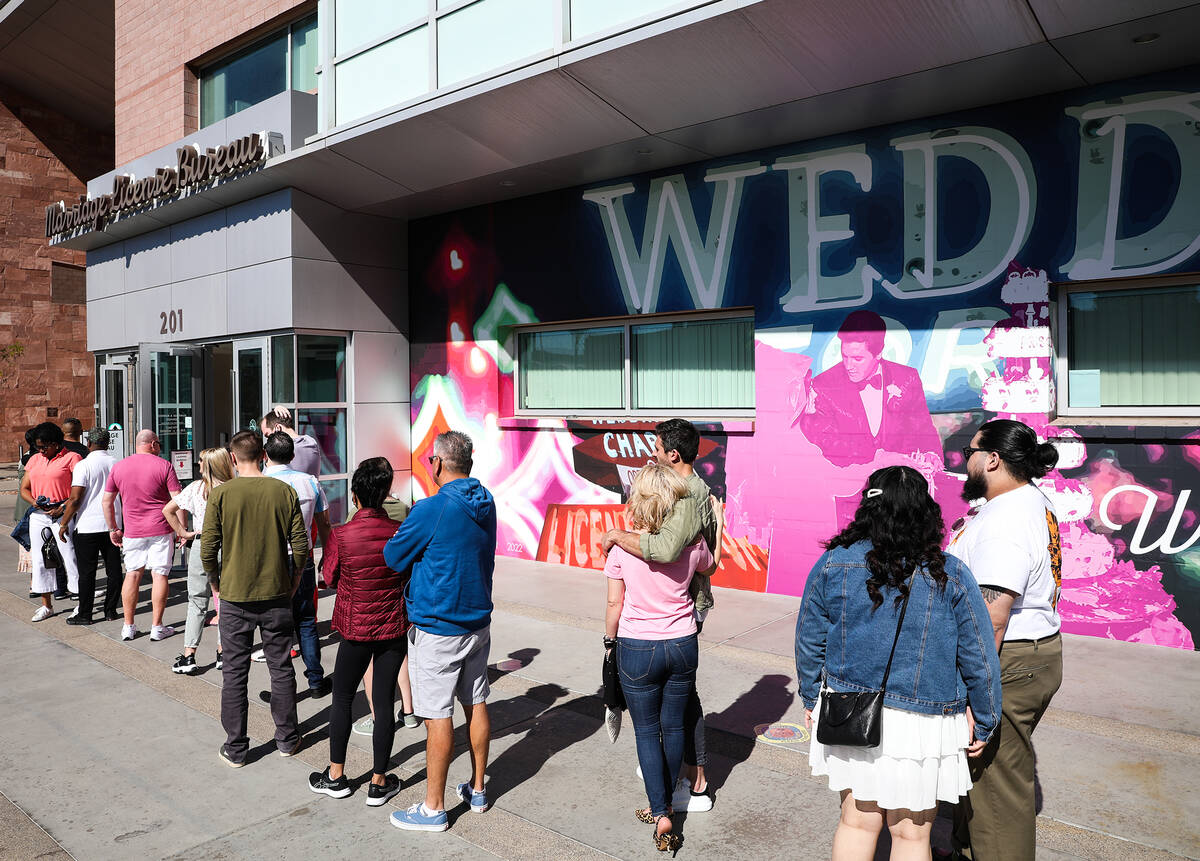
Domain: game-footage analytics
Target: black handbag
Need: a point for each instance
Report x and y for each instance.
(854, 718)
(51, 558)
(614, 697)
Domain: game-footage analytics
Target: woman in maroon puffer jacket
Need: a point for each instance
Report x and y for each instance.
(369, 614)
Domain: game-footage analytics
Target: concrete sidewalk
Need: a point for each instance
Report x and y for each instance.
(110, 755)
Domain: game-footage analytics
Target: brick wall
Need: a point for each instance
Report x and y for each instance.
(44, 158)
(156, 91)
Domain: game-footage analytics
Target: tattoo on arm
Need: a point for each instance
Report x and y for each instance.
(991, 594)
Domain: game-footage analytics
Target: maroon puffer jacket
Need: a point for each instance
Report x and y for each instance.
(370, 596)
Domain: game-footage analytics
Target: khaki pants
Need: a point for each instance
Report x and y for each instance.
(998, 820)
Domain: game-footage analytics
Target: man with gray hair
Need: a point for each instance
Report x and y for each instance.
(448, 541)
(91, 531)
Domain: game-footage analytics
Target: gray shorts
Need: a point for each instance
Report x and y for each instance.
(441, 668)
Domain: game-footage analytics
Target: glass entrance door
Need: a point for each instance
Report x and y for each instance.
(174, 407)
(251, 366)
(116, 406)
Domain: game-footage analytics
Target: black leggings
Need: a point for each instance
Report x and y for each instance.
(353, 656)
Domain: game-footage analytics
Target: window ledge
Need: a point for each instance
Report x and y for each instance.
(725, 426)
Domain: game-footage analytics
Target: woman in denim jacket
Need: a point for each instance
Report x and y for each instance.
(945, 659)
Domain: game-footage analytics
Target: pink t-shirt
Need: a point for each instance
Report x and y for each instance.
(145, 482)
(657, 604)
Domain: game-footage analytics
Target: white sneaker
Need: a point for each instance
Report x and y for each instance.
(74, 614)
(128, 632)
(685, 800)
(259, 657)
(161, 632)
(43, 612)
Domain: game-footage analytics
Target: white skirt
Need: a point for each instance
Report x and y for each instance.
(921, 760)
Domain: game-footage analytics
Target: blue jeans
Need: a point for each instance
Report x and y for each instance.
(657, 677)
(304, 615)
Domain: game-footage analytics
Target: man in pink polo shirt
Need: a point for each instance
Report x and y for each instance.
(146, 482)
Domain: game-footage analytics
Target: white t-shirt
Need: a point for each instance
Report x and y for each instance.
(91, 473)
(1012, 543)
(312, 495)
(192, 500)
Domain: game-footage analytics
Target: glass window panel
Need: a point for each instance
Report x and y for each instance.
(593, 16)
(1139, 343)
(250, 388)
(387, 75)
(693, 365)
(304, 55)
(328, 427)
(283, 370)
(490, 34)
(244, 80)
(336, 496)
(321, 363)
(359, 22)
(573, 369)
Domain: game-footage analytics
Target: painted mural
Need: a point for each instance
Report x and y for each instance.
(901, 282)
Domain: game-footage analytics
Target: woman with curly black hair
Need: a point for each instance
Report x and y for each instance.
(885, 600)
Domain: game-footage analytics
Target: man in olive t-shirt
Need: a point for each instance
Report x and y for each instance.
(248, 526)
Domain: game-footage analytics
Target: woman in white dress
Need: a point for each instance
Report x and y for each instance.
(944, 661)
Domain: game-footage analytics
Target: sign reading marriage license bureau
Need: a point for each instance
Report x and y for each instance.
(193, 168)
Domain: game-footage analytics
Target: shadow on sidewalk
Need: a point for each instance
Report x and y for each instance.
(544, 737)
(766, 702)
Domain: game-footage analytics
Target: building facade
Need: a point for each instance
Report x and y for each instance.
(830, 251)
(56, 129)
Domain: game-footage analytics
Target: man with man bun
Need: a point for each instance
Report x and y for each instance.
(1011, 544)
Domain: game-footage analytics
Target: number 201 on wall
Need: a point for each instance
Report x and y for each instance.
(172, 321)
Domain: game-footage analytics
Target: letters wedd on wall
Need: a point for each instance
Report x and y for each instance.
(193, 169)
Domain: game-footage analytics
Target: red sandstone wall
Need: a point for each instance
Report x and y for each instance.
(156, 94)
(44, 158)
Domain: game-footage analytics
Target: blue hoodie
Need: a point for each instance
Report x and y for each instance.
(449, 542)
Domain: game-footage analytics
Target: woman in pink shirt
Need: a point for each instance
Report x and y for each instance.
(651, 623)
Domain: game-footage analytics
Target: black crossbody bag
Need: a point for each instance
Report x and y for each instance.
(854, 718)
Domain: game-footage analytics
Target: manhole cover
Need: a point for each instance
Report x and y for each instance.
(781, 733)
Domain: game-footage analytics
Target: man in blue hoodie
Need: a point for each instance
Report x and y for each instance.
(449, 543)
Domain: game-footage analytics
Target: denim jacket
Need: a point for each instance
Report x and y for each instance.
(945, 656)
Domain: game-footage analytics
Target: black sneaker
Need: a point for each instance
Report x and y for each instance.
(225, 758)
(112, 617)
(321, 689)
(220, 660)
(79, 620)
(319, 781)
(61, 596)
(74, 596)
(377, 796)
(185, 664)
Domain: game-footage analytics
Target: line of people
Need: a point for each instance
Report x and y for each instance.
(965, 681)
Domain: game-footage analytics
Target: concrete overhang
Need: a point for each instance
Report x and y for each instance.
(727, 77)
(61, 52)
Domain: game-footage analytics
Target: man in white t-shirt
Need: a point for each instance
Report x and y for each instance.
(280, 449)
(1011, 544)
(91, 530)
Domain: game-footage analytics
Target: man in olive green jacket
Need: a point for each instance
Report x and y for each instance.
(251, 524)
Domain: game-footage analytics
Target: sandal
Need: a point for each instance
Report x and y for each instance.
(667, 841)
(643, 815)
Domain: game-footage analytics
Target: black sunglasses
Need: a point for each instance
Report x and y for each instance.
(967, 451)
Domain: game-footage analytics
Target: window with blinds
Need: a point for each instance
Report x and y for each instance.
(1131, 348)
(701, 364)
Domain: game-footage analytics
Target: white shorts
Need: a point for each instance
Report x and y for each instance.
(44, 579)
(442, 668)
(155, 552)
